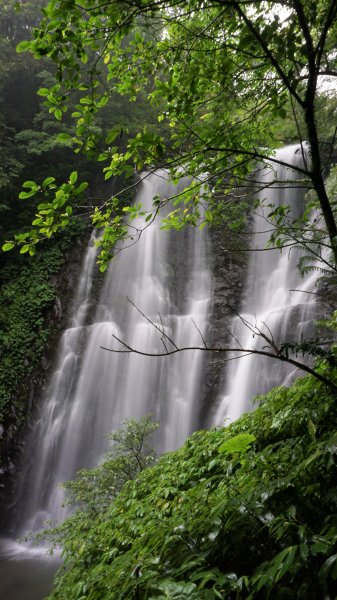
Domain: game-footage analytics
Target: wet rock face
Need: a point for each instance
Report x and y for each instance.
(229, 267)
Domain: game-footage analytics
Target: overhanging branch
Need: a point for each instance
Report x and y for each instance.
(220, 350)
(278, 352)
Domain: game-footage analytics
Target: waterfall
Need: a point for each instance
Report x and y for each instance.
(92, 391)
(162, 282)
(47, 433)
(270, 304)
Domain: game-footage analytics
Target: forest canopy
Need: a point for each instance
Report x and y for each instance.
(227, 81)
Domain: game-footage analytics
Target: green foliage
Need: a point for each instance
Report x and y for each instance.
(26, 295)
(238, 444)
(93, 490)
(53, 214)
(35, 144)
(217, 79)
(243, 512)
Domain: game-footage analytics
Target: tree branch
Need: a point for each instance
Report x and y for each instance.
(278, 352)
(220, 350)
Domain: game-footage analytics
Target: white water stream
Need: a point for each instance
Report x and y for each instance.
(270, 304)
(92, 390)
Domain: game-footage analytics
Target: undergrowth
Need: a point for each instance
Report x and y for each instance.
(249, 511)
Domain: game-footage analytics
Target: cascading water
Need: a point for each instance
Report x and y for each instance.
(270, 304)
(25, 572)
(47, 434)
(166, 276)
(93, 391)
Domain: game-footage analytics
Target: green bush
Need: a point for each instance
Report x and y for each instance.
(249, 511)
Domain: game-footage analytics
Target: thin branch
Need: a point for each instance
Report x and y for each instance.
(246, 351)
(162, 337)
(202, 337)
(321, 43)
(231, 334)
(276, 354)
(162, 332)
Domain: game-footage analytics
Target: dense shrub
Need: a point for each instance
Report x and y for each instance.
(243, 512)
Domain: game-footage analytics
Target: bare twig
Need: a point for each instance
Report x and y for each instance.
(162, 332)
(277, 353)
(202, 337)
(162, 337)
(220, 350)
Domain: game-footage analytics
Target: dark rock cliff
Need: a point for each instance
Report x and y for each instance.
(229, 266)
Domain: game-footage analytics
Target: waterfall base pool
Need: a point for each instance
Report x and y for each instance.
(25, 574)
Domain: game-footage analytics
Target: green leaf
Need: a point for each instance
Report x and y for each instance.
(319, 547)
(46, 182)
(113, 133)
(83, 186)
(43, 92)
(73, 177)
(172, 590)
(30, 184)
(212, 464)
(23, 46)
(271, 572)
(24, 195)
(8, 246)
(64, 138)
(102, 156)
(328, 569)
(238, 444)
